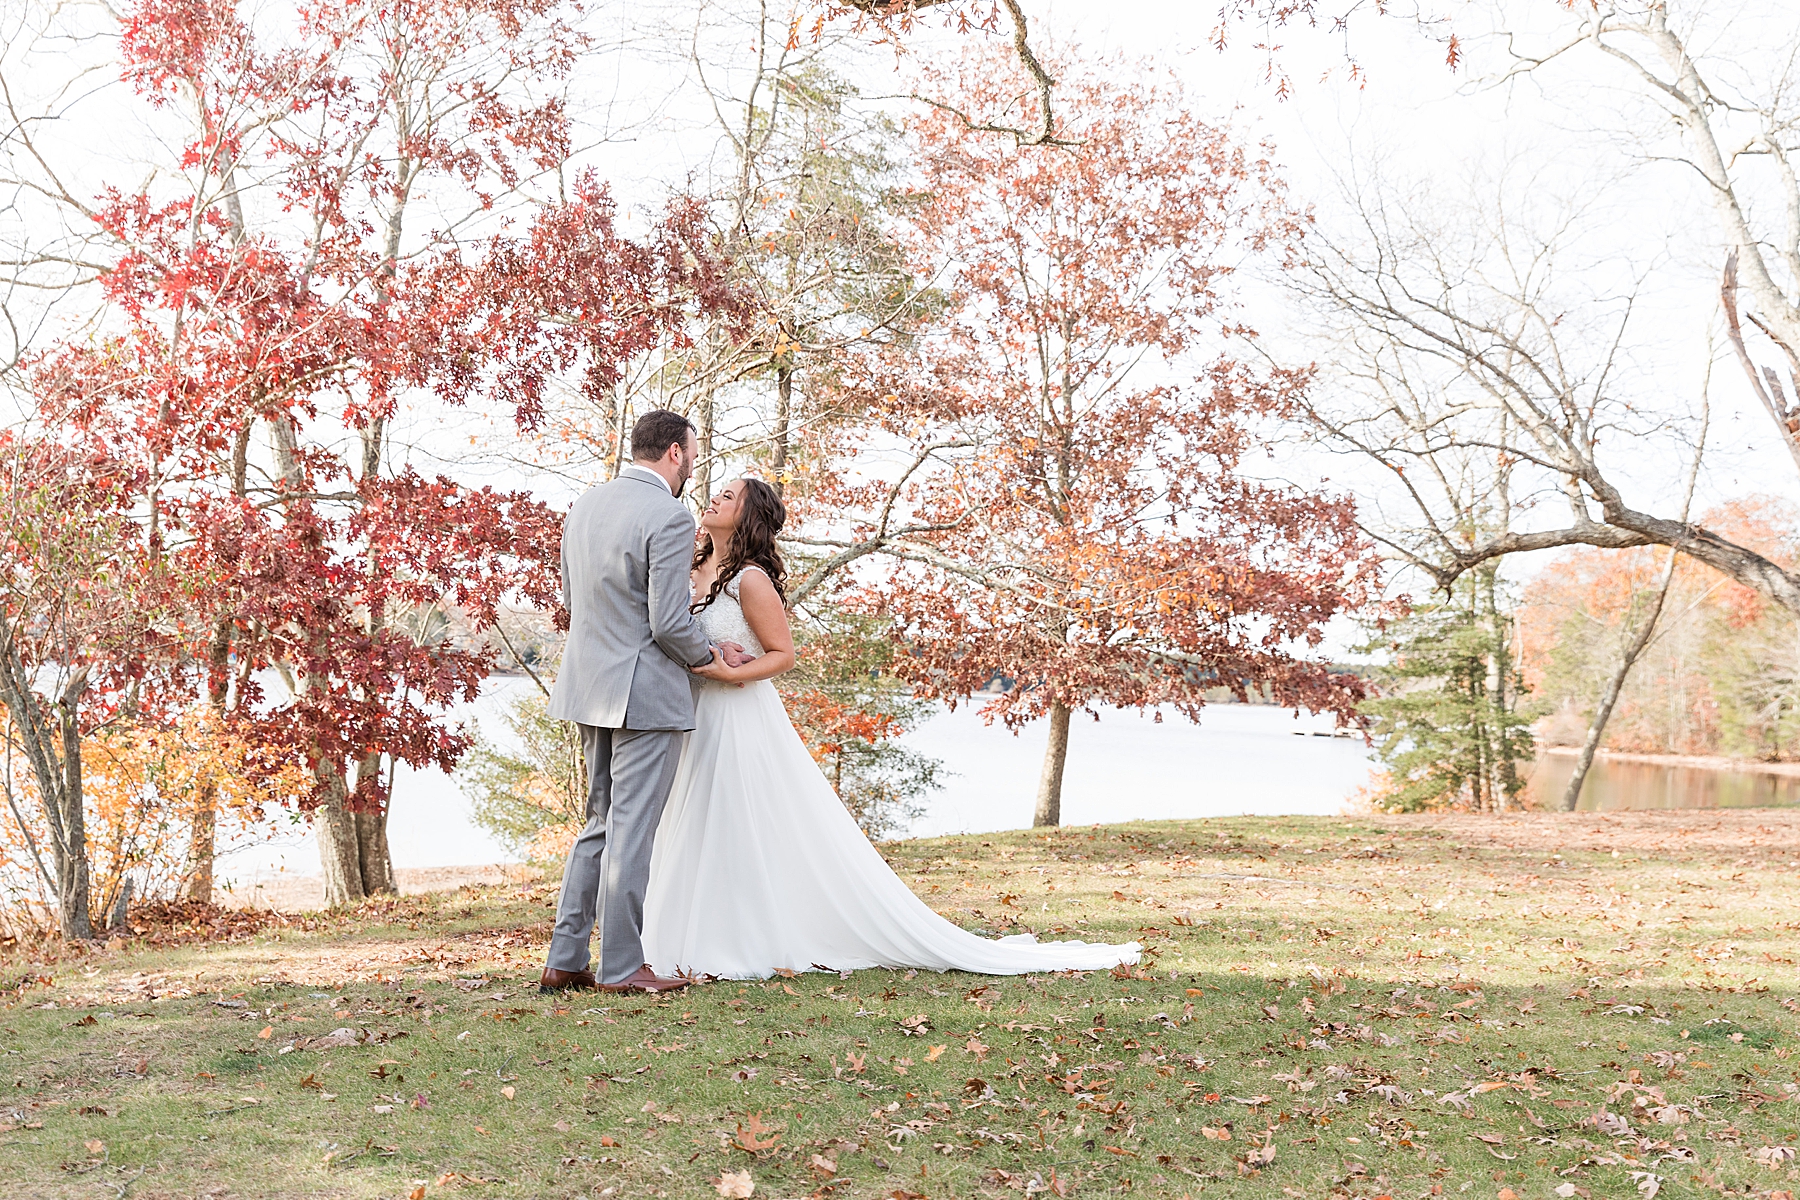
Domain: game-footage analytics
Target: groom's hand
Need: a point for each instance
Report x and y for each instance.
(734, 654)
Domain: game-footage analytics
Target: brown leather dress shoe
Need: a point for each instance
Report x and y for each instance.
(645, 980)
(566, 981)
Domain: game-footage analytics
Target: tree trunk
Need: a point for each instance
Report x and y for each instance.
(703, 469)
(1056, 753)
(1610, 696)
(53, 748)
(371, 836)
(784, 409)
(202, 840)
(372, 846)
(1503, 775)
(340, 854)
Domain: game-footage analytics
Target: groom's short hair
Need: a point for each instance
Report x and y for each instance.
(655, 432)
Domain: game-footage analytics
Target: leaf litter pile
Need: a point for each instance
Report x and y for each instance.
(1528, 1006)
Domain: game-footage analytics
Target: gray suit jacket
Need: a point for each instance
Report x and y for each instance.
(626, 549)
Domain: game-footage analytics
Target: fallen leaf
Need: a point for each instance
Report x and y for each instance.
(757, 1137)
(737, 1185)
(608, 1140)
(417, 1193)
(933, 1054)
(1507, 1193)
(268, 1031)
(821, 1163)
(95, 1147)
(562, 1127)
(509, 1091)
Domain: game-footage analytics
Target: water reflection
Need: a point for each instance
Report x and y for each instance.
(1614, 785)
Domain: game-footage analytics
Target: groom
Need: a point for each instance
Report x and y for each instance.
(626, 552)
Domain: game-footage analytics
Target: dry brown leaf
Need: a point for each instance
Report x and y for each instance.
(756, 1137)
(735, 1185)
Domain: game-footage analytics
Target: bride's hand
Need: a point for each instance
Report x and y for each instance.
(717, 670)
(734, 654)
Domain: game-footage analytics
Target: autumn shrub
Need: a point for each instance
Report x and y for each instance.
(144, 786)
(851, 711)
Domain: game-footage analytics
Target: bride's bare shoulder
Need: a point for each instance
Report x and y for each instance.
(755, 579)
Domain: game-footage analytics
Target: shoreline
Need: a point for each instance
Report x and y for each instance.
(1698, 762)
(290, 892)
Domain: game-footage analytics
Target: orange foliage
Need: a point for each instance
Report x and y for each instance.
(142, 787)
(1576, 615)
(825, 725)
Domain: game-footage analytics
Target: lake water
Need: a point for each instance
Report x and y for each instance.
(1240, 759)
(1616, 785)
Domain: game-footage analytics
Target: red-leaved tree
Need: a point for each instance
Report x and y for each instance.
(277, 292)
(1074, 510)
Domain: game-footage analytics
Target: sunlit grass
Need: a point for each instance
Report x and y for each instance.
(1330, 1007)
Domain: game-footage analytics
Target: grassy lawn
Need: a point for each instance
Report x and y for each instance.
(1527, 1006)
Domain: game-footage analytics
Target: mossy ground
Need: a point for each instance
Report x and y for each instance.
(1539, 1005)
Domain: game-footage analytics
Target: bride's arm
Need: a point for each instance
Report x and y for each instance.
(768, 620)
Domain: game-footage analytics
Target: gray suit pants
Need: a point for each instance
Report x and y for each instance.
(630, 773)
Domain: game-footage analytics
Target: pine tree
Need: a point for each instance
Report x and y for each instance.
(1449, 723)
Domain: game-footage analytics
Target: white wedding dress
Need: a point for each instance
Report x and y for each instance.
(758, 867)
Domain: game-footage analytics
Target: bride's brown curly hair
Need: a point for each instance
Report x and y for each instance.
(761, 514)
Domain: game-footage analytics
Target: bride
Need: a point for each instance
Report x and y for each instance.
(757, 867)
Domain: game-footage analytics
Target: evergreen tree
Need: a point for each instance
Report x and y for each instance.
(1448, 723)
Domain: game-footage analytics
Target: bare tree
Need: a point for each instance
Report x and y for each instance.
(1464, 347)
(1645, 631)
(1735, 105)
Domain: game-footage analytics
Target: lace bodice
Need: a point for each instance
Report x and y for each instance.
(723, 619)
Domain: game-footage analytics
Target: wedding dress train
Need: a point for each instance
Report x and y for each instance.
(758, 867)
